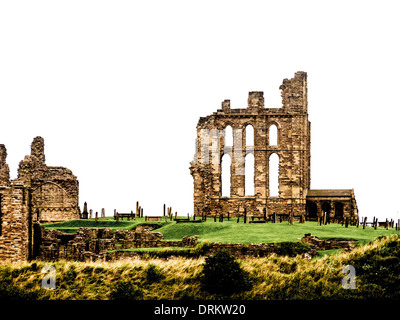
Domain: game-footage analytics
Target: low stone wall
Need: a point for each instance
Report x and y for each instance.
(328, 244)
(90, 244)
(93, 243)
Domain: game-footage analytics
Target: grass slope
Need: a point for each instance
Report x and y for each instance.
(233, 232)
(377, 268)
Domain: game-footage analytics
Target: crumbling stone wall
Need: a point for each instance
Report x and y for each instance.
(40, 193)
(90, 244)
(55, 190)
(293, 149)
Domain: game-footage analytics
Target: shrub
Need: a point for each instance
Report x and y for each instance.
(126, 290)
(221, 274)
(153, 274)
(291, 249)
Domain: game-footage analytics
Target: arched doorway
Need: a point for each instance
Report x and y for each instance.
(326, 209)
(312, 211)
(338, 211)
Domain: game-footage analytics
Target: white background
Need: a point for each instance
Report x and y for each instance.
(116, 89)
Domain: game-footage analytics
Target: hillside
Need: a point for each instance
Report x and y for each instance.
(274, 277)
(231, 231)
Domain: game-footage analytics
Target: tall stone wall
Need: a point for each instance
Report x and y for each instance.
(16, 223)
(40, 193)
(55, 190)
(293, 149)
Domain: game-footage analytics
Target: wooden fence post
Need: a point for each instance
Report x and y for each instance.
(364, 222)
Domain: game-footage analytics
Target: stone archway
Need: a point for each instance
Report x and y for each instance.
(312, 211)
(338, 211)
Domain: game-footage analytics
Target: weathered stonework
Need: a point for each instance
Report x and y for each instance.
(40, 193)
(55, 190)
(293, 148)
(90, 244)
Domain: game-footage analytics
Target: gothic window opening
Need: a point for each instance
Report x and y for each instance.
(249, 135)
(226, 175)
(249, 174)
(273, 135)
(274, 175)
(228, 136)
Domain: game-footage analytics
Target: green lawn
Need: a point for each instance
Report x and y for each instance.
(231, 231)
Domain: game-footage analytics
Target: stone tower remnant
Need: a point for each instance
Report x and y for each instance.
(41, 193)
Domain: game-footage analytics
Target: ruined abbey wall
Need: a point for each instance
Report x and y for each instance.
(292, 148)
(40, 194)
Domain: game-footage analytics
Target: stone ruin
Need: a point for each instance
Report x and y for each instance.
(44, 193)
(41, 193)
(91, 244)
(273, 133)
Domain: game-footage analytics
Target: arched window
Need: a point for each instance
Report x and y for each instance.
(226, 175)
(273, 135)
(249, 175)
(228, 136)
(249, 135)
(274, 175)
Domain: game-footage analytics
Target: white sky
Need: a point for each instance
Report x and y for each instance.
(116, 89)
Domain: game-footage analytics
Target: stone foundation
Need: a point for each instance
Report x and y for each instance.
(90, 244)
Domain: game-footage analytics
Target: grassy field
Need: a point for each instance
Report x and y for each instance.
(273, 277)
(233, 232)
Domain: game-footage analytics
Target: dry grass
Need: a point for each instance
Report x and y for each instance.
(273, 277)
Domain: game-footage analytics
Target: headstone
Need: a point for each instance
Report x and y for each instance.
(95, 217)
(85, 212)
(103, 213)
(90, 213)
(164, 210)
